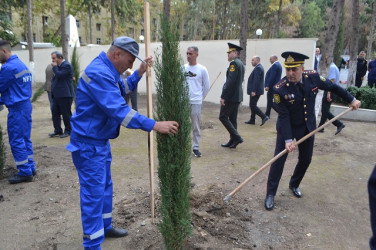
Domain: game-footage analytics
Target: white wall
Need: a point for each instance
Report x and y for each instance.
(212, 54)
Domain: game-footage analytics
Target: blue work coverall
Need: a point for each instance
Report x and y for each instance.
(15, 89)
(101, 109)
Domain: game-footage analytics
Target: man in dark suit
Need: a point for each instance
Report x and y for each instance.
(294, 100)
(255, 89)
(62, 94)
(232, 95)
(273, 75)
(361, 69)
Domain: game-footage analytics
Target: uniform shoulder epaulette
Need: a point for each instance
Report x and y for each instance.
(310, 72)
(281, 83)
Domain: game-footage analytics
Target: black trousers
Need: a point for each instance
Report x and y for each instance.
(358, 81)
(372, 83)
(62, 106)
(372, 206)
(228, 116)
(304, 159)
(254, 109)
(325, 111)
(270, 103)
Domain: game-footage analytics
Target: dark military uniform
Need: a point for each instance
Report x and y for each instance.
(295, 104)
(361, 70)
(372, 207)
(232, 93)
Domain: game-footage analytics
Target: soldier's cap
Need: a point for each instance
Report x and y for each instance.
(127, 44)
(232, 47)
(293, 59)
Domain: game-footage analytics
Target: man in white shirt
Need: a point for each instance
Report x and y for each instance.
(198, 82)
(321, 92)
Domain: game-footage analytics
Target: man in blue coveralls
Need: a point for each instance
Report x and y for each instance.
(15, 89)
(100, 111)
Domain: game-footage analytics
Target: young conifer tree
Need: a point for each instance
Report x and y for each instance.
(2, 153)
(76, 70)
(174, 151)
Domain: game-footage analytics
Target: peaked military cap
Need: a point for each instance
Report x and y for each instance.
(293, 59)
(127, 44)
(232, 47)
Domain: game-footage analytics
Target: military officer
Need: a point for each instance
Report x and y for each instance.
(294, 100)
(232, 95)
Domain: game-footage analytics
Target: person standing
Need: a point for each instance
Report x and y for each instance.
(316, 67)
(47, 85)
(130, 95)
(372, 73)
(62, 94)
(101, 110)
(232, 96)
(255, 89)
(198, 83)
(273, 75)
(361, 69)
(328, 99)
(294, 99)
(320, 93)
(15, 89)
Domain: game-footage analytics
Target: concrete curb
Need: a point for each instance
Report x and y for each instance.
(367, 115)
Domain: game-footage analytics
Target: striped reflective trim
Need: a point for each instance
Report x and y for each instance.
(30, 156)
(85, 78)
(94, 235)
(106, 216)
(19, 74)
(21, 162)
(128, 117)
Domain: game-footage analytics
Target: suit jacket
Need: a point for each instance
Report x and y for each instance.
(273, 75)
(62, 82)
(232, 90)
(361, 67)
(296, 104)
(256, 81)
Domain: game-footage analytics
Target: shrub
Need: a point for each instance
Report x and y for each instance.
(365, 94)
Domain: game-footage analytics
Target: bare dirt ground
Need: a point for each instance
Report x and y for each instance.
(332, 214)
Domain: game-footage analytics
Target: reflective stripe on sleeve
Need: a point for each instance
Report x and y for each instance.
(19, 74)
(94, 235)
(128, 117)
(30, 156)
(106, 216)
(21, 162)
(85, 78)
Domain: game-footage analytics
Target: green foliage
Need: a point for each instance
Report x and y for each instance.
(2, 153)
(365, 94)
(6, 26)
(38, 93)
(174, 151)
(311, 23)
(53, 38)
(76, 70)
(338, 49)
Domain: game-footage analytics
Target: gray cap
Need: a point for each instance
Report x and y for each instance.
(127, 44)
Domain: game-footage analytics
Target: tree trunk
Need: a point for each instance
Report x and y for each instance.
(64, 39)
(90, 20)
(213, 31)
(371, 33)
(195, 27)
(113, 19)
(331, 37)
(279, 17)
(354, 34)
(30, 43)
(166, 9)
(243, 31)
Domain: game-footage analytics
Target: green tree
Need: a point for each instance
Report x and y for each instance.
(340, 43)
(76, 70)
(174, 151)
(2, 152)
(311, 24)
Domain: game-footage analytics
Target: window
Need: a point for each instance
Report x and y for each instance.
(142, 32)
(78, 24)
(98, 27)
(45, 20)
(98, 41)
(34, 38)
(79, 39)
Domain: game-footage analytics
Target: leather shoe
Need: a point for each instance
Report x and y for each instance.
(54, 134)
(250, 122)
(269, 202)
(236, 143)
(296, 191)
(226, 145)
(339, 129)
(264, 120)
(19, 178)
(64, 135)
(116, 233)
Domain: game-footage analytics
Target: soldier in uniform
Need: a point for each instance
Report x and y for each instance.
(361, 69)
(232, 95)
(294, 98)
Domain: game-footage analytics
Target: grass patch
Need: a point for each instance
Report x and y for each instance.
(38, 93)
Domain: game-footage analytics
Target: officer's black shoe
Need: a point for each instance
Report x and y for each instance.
(54, 134)
(236, 143)
(34, 172)
(19, 178)
(264, 120)
(339, 129)
(226, 145)
(269, 202)
(66, 134)
(116, 233)
(296, 191)
(250, 122)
